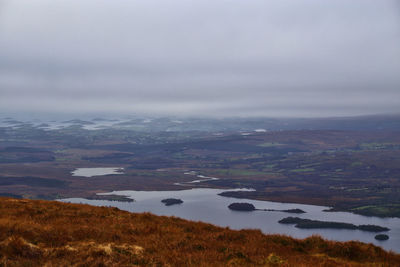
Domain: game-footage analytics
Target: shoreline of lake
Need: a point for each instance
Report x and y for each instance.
(204, 204)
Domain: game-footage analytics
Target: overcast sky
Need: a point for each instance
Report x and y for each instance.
(293, 58)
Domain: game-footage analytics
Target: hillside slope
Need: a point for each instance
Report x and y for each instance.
(38, 233)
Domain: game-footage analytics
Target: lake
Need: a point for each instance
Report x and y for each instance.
(90, 172)
(204, 204)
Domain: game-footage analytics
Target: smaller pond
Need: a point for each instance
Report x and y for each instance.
(201, 180)
(90, 172)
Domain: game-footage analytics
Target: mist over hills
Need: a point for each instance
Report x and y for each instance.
(207, 124)
(284, 104)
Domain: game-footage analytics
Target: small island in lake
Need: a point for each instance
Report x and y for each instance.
(118, 198)
(314, 224)
(171, 201)
(381, 237)
(298, 211)
(250, 207)
(242, 206)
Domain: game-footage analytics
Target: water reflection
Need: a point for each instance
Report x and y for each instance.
(204, 204)
(90, 172)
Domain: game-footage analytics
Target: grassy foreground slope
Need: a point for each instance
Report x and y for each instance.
(49, 233)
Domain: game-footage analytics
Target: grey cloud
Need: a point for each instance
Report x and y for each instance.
(228, 57)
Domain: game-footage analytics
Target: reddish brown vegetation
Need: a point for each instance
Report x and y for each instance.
(38, 233)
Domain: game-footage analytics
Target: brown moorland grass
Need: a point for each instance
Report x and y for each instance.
(50, 233)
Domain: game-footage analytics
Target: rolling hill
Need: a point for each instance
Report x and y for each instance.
(50, 233)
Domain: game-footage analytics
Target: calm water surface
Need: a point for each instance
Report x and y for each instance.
(205, 205)
(90, 172)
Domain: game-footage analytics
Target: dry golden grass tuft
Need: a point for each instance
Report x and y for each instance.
(50, 233)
